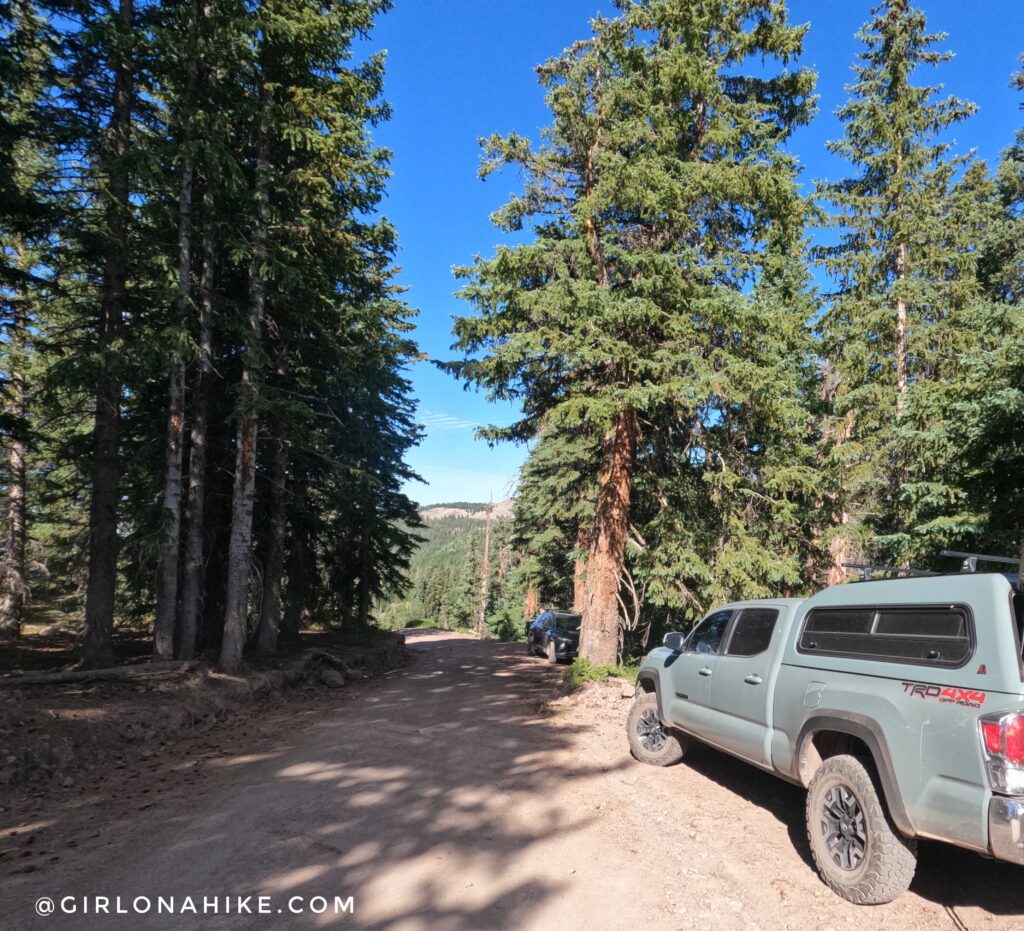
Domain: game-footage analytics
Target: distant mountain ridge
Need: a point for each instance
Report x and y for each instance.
(501, 510)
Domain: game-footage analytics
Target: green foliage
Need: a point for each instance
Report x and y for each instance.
(443, 578)
(227, 92)
(663, 278)
(906, 307)
(581, 670)
(972, 498)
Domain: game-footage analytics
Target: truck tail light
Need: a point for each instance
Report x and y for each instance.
(992, 732)
(1002, 740)
(1014, 732)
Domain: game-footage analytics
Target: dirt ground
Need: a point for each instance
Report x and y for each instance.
(454, 794)
(60, 733)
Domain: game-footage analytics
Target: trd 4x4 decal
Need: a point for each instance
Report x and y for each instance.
(968, 698)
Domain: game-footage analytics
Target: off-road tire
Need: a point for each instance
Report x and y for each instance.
(641, 715)
(887, 859)
(552, 658)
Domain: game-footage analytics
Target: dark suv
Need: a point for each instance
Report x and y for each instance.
(555, 634)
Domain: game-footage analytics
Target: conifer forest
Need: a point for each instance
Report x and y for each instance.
(732, 378)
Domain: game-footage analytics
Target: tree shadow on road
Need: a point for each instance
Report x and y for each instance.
(425, 799)
(946, 875)
(441, 789)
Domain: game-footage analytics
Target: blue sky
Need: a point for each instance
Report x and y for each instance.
(461, 69)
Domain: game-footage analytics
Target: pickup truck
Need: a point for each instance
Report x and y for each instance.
(898, 705)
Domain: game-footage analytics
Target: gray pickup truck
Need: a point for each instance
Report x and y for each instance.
(897, 704)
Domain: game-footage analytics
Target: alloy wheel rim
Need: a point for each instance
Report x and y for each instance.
(844, 828)
(650, 732)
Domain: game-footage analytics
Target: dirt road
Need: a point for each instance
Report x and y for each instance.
(450, 795)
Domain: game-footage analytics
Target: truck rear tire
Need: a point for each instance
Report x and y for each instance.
(649, 740)
(859, 853)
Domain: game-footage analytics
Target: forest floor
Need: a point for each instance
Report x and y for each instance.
(457, 793)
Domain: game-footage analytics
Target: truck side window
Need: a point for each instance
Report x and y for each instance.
(753, 632)
(928, 636)
(707, 635)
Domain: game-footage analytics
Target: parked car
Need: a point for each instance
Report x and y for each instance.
(898, 704)
(555, 634)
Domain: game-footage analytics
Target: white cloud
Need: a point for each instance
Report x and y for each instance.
(436, 420)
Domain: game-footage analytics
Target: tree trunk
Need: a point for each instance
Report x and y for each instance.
(346, 597)
(366, 574)
(531, 602)
(579, 571)
(240, 545)
(838, 552)
(836, 433)
(901, 332)
(193, 571)
(170, 546)
(485, 575)
(15, 585)
(271, 608)
(298, 611)
(98, 644)
(600, 631)
(240, 542)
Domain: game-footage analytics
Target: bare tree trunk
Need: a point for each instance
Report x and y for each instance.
(600, 631)
(170, 544)
(271, 607)
(15, 585)
(193, 570)
(98, 644)
(485, 575)
(901, 332)
(170, 547)
(240, 544)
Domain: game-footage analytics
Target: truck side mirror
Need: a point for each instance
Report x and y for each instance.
(674, 641)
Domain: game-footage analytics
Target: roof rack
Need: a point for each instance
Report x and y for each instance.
(867, 571)
(971, 560)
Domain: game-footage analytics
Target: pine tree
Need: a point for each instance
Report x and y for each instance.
(651, 199)
(552, 518)
(892, 262)
(101, 68)
(182, 43)
(26, 215)
(335, 403)
(976, 498)
(219, 298)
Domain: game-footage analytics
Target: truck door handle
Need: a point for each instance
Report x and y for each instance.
(704, 671)
(753, 680)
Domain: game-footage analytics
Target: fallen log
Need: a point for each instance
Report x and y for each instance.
(113, 674)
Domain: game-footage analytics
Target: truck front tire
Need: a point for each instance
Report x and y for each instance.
(859, 853)
(649, 740)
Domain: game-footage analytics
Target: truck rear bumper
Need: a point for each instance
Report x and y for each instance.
(1006, 828)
